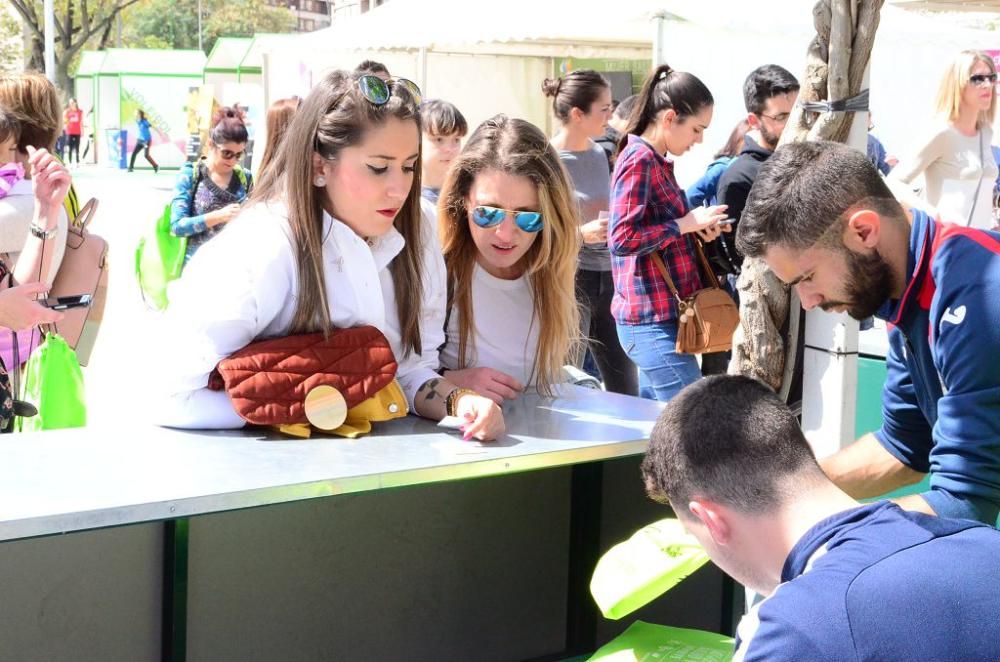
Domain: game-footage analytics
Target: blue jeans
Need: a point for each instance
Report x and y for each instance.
(662, 371)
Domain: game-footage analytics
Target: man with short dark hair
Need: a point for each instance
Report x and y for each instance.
(825, 222)
(841, 580)
(769, 94)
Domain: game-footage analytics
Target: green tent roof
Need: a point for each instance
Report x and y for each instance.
(153, 61)
(90, 63)
(227, 53)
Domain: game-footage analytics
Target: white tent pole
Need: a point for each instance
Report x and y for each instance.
(50, 40)
(830, 367)
(422, 66)
(659, 26)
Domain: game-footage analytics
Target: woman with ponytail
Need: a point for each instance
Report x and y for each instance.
(650, 215)
(208, 194)
(581, 102)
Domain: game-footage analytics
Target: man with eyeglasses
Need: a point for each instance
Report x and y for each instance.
(769, 93)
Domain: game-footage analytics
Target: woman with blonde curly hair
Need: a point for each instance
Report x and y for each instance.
(955, 158)
(509, 230)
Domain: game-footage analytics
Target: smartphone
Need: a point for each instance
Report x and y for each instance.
(726, 221)
(65, 303)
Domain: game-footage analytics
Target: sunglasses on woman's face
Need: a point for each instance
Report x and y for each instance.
(228, 155)
(979, 79)
(378, 91)
(490, 217)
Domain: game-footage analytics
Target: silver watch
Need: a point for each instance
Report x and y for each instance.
(42, 233)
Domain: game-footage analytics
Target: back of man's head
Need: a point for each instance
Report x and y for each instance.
(731, 440)
(806, 188)
(765, 82)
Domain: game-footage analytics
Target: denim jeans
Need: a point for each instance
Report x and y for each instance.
(652, 347)
(594, 290)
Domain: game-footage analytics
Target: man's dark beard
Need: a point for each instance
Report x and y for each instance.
(769, 140)
(869, 284)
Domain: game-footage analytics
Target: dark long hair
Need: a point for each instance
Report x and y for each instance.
(666, 89)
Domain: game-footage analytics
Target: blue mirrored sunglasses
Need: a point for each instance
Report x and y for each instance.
(379, 91)
(488, 217)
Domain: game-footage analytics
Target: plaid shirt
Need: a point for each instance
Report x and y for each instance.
(645, 205)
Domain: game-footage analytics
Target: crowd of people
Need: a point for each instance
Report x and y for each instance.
(493, 257)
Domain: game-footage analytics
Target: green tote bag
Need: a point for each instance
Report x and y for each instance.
(53, 382)
(159, 259)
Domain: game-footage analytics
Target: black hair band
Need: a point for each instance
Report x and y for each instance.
(855, 104)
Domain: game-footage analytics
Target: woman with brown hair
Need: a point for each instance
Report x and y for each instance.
(510, 234)
(332, 239)
(279, 116)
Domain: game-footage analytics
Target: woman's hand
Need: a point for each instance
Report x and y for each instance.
(495, 385)
(700, 219)
(50, 181)
(224, 215)
(19, 310)
(595, 232)
(482, 417)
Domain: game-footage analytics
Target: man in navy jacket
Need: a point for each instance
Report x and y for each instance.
(825, 222)
(840, 580)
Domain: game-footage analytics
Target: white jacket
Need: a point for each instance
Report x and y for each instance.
(242, 286)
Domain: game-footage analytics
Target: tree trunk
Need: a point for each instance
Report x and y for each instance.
(835, 66)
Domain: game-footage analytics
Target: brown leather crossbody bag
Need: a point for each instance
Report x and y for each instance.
(708, 318)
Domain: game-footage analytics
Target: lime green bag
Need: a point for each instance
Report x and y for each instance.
(644, 641)
(645, 566)
(53, 382)
(159, 259)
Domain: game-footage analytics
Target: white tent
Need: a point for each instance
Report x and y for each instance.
(491, 57)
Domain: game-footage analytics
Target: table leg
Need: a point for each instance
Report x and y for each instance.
(173, 634)
(586, 494)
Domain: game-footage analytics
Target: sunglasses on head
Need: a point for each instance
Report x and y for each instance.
(979, 79)
(228, 155)
(488, 217)
(378, 91)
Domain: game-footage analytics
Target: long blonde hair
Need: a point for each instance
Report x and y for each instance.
(519, 148)
(336, 115)
(956, 77)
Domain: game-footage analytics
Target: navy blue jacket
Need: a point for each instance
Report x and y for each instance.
(878, 583)
(941, 401)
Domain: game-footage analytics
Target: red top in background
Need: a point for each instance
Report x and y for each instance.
(73, 119)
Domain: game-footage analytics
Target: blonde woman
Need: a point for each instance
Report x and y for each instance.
(509, 230)
(332, 238)
(956, 160)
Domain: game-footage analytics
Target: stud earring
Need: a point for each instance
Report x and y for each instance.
(319, 181)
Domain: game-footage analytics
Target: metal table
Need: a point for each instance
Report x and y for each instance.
(76, 480)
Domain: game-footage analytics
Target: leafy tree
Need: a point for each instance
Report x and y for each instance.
(10, 41)
(174, 23)
(79, 24)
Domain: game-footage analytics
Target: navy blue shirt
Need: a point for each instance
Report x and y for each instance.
(941, 400)
(878, 583)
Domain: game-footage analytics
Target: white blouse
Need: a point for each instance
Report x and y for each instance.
(242, 286)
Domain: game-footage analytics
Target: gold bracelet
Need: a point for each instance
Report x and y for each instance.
(451, 401)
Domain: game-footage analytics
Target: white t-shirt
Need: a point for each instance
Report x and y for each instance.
(505, 334)
(954, 166)
(16, 212)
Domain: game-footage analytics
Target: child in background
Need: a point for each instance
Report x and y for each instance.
(443, 130)
(11, 172)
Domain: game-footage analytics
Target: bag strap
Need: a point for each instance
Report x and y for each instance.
(662, 268)
(979, 184)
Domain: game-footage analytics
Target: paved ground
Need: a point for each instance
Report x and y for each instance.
(129, 203)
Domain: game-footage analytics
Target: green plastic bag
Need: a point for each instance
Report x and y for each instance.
(644, 641)
(53, 382)
(645, 566)
(159, 259)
